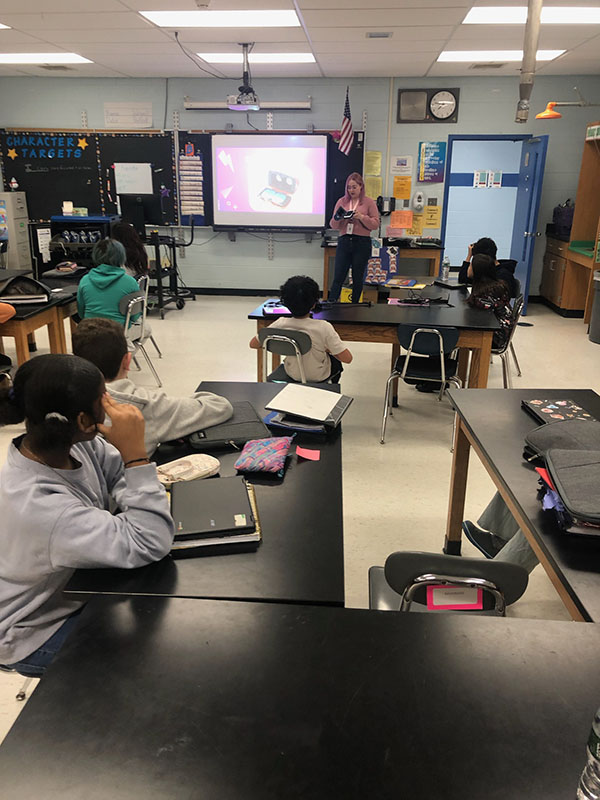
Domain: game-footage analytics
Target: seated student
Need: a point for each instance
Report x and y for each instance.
(505, 268)
(69, 499)
(491, 294)
(106, 284)
(322, 361)
(499, 536)
(102, 341)
(136, 261)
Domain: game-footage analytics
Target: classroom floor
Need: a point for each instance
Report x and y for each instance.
(395, 496)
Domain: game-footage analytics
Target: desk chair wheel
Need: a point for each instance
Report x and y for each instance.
(180, 304)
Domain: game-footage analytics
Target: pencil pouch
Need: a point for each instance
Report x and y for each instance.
(189, 468)
(264, 455)
(569, 434)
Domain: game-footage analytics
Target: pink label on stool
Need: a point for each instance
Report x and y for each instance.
(454, 598)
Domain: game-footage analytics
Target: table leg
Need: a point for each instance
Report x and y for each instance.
(31, 343)
(1, 346)
(21, 345)
(60, 331)
(395, 354)
(434, 264)
(458, 490)
(480, 362)
(325, 273)
(57, 342)
(463, 364)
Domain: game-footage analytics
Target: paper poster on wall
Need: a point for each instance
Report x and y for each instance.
(432, 161)
(43, 238)
(433, 217)
(126, 116)
(3, 222)
(402, 187)
(494, 180)
(372, 186)
(401, 165)
(373, 162)
(417, 226)
(132, 178)
(401, 219)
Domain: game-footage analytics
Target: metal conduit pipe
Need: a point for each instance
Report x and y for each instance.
(530, 44)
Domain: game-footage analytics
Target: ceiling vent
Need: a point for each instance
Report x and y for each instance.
(379, 35)
(56, 68)
(488, 65)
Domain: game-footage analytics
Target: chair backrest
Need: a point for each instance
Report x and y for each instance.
(285, 343)
(515, 316)
(130, 305)
(409, 574)
(427, 341)
(517, 287)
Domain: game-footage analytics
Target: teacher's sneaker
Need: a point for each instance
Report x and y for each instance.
(489, 544)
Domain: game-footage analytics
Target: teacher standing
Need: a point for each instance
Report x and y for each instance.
(354, 244)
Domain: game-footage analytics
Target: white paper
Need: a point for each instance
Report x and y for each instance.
(401, 165)
(127, 115)
(131, 178)
(305, 401)
(43, 237)
(450, 595)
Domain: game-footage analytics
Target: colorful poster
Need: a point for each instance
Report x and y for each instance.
(432, 162)
(402, 187)
(401, 219)
(3, 222)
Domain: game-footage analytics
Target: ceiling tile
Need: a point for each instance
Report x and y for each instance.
(101, 35)
(342, 34)
(57, 6)
(379, 46)
(50, 21)
(235, 35)
(11, 40)
(424, 7)
(375, 18)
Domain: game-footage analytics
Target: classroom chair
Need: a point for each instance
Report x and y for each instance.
(284, 343)
(508, 350)
(434, 361)
(406, 576)
(22, 693)
(129, 305)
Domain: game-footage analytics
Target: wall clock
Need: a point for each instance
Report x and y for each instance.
(428, 105)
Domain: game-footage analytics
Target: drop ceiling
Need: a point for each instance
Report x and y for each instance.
(121, 43)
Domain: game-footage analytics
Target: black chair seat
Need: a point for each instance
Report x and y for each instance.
(424, 368)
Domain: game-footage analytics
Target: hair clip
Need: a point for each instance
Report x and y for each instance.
(55, 415)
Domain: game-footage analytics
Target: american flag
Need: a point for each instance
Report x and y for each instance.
(346, 133)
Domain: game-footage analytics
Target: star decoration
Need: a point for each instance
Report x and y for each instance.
(12, 153)
(82, 143)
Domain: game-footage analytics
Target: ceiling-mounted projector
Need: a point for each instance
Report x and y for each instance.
(247, 99)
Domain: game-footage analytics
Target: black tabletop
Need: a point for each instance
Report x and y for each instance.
(301, 558)
(162, 698)
(31, 309)
(457, 314)
(499, 424)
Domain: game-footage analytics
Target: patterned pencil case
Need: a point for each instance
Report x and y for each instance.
(264, 455)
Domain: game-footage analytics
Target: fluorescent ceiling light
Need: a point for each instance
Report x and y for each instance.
(496, 55)
(223, 19)
(4, 27)
(517, 15)
(258, 58)
(43, 58)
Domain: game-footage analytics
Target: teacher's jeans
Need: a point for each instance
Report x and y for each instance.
(351, 252)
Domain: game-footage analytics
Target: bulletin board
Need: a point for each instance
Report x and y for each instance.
(52, 166)
(339, 166)
(156, 149)
(195, 178)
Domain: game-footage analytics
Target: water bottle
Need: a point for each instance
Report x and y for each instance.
(589, 783)
(445, 268)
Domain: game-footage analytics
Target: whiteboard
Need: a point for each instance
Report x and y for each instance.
(133, 178)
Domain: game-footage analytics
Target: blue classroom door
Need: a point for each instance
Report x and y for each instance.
(529, 190)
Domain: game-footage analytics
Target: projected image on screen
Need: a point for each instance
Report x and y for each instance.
(265, 180)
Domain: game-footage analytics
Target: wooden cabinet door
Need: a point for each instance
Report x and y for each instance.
(552, 278)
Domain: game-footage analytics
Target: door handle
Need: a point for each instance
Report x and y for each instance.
(531, 233)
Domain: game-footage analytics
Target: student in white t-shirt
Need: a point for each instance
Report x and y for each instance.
(322, 361)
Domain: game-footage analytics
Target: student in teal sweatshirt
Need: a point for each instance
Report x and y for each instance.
(106, 284)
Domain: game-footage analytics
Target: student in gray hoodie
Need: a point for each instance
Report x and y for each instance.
(69, 499)
(103, 342)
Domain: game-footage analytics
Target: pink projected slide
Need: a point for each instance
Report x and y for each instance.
(286, 180)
